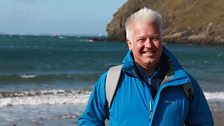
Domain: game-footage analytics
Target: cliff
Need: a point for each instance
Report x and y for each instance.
(185, 21)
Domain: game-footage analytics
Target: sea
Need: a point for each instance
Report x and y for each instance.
(50, 77)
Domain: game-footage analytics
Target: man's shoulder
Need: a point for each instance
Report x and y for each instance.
(102, 77)
(192, 78)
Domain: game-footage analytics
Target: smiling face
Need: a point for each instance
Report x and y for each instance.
(145, 43)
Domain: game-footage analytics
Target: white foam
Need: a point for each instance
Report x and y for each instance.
(32, 97)
(46, 99)
(28, 76)
(214, 96)
(50, 97)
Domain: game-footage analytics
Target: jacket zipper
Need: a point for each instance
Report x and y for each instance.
(150, 115)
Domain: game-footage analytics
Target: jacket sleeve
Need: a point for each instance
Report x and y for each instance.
(199, 112)
(94, 114)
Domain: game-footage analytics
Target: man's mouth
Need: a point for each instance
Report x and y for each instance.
(149, 52)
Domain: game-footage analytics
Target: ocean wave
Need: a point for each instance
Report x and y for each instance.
(62, 74)
(7, 94)
(50, 97)
(214, 95)
(28, 76)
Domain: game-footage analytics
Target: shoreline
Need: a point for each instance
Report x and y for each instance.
(73, 121)
(92, 38)
(214, 44)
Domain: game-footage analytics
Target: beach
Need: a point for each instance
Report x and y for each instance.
(73, 121)
(44, 122)
(218, 118)
(67, 112)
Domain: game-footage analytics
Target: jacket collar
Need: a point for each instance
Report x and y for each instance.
(129, 64)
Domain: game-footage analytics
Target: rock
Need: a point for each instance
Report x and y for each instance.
(185, 21)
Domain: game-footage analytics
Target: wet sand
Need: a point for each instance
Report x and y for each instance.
(73, 121)
(48, 122)
(218, 117)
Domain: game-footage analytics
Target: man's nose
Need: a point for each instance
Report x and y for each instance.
(148, 43)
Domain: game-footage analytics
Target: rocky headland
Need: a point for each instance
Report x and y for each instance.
(185, 21)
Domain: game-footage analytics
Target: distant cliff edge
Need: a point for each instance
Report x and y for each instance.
(185, 21)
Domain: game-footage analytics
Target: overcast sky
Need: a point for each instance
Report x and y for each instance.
(83, 17)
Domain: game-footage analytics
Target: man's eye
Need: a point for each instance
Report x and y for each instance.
(155, 39)
(141, 40)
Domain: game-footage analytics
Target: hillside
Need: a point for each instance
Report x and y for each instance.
(185, 21)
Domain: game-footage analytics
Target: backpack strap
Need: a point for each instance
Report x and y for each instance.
(188, 90)
(113, 76)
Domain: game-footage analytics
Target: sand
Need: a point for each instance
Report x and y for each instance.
(218, 117)
(73, 121)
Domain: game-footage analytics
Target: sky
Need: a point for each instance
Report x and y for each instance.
(73, 17)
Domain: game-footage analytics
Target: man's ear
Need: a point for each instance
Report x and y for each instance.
(129, 44)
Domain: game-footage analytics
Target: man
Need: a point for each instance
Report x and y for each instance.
(150, 90)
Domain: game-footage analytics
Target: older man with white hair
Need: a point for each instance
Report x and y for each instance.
(150, 88)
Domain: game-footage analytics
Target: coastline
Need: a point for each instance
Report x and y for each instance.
(169, 40)
(73, 121)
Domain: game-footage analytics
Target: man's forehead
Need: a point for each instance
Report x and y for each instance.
(142, 29)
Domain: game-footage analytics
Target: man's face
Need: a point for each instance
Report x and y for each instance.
(145, 43)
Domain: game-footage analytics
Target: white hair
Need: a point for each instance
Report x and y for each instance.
(144, 15)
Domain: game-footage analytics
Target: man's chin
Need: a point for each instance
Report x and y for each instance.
(150, 62)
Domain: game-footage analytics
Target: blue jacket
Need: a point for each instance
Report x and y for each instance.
(133, 104)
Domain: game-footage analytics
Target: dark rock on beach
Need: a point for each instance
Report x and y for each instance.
(185, 21)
